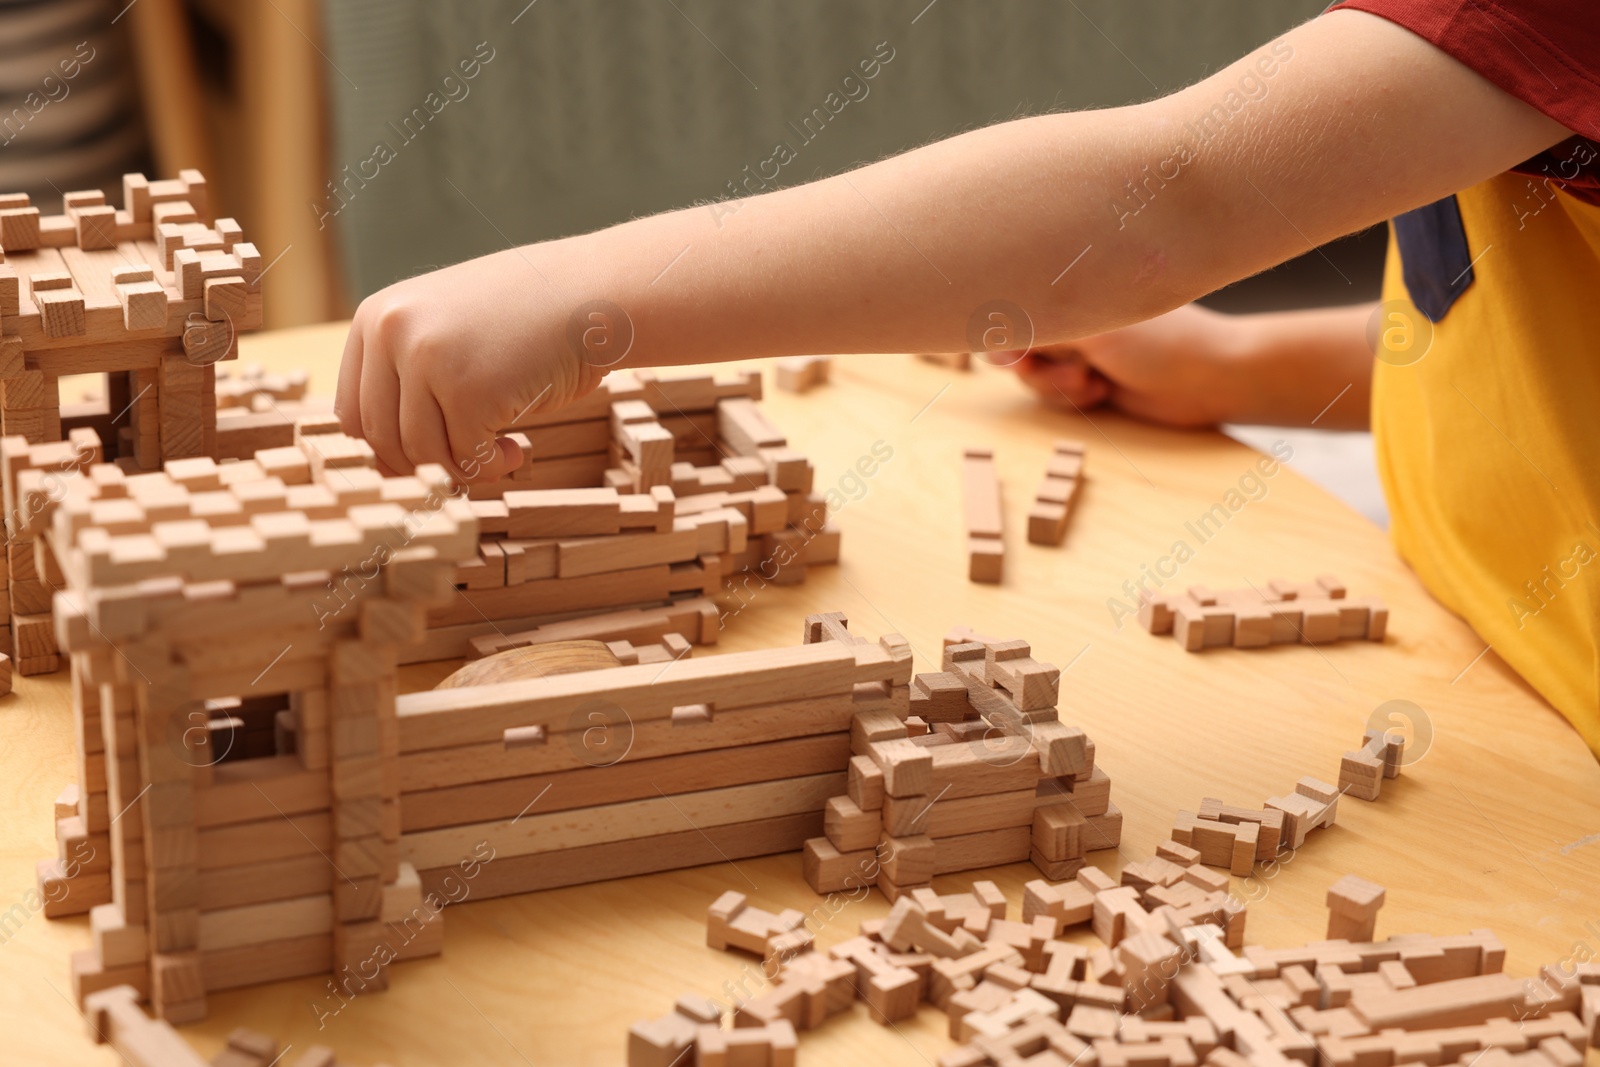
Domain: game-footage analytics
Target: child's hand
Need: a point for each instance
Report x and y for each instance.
(1171, 369)
(436, 366)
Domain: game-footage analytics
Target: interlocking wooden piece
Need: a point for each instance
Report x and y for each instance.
(1057, 494)
(731, 921)
(981, 503)
(772, 1045)
(1283, 612)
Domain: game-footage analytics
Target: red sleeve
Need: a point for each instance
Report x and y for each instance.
(1543, 52)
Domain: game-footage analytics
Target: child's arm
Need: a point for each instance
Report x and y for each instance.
(1194, 367)
(1357, 121)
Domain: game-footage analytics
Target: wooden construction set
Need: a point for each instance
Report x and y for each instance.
(1166, 985)
(260, 802)
(686, 481)
(981, 773)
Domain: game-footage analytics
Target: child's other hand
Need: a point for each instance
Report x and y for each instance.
(437, 365)
(1169, 369)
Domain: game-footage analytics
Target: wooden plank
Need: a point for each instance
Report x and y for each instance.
(579, 866)
(257, 883)
(279, 919)
(462, 764)
(245, 790)
(91, 272)
(939, 816)
(597, 555)
(970, 852)
(1461, 1002)
(269, 961)
(267, 839)
(536, 833)
(548, 596)
(645, 692)
(590, 786)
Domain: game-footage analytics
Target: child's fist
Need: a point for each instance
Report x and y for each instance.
(436, 366)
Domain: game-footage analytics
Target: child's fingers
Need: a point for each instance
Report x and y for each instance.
(481, 454)
(380, 415)
(347, 393)
(1064, 378)
(425, 439)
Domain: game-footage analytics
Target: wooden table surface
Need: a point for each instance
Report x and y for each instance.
(1498, 824)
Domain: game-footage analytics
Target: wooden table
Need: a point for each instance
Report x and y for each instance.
(1497, 825)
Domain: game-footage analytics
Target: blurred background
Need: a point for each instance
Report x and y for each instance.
(363, 141)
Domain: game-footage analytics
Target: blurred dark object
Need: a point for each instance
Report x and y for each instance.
(68, 117)
(1346, 271)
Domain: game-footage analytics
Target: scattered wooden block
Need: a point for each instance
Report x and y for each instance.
(1353, 905)
(981, 500)
(1057, 494)
(800, 374)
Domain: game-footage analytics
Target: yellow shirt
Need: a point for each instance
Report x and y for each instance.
(1489, 443)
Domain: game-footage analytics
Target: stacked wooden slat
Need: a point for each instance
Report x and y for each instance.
(619, 771)
(31, 574)
(983, 773)
(644, 493)
(1315, 613)
(241, 704)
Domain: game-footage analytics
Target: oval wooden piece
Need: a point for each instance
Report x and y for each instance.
(533, 661)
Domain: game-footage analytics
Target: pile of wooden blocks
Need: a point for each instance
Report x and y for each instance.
(1222, 835)
(1314, 613)
(981, 773)
(1164, 988)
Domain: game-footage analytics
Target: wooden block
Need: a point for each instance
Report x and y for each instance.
(907, 861)
(1173, 852)
(664, 1042)
(1068, 904)
(60, 312)
(225, 299)
(865, 787)
(829, 871)
(117, 943)
(849, 827)
(1150, 961)
(800, 374)
(1058, 832)
(907, 769)
(1361, 775)
(1459, 1002)
(19, 229)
